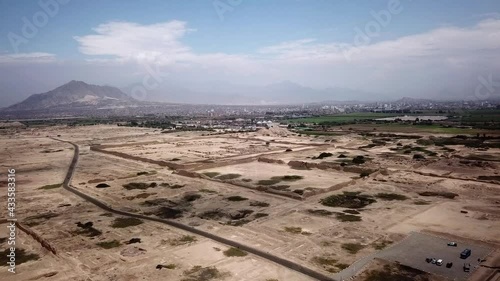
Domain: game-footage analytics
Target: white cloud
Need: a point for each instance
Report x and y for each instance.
(36, 57)
(131, 41)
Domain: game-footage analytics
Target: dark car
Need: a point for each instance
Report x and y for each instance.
(428, 260)
(449, 265)
(465, 253)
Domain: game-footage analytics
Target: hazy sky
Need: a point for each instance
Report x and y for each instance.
(438, 49)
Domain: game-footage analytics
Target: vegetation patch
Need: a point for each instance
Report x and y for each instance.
(261, 215)
(139, 185)
(320, 212)
(211, 174)
(21, 257)
(246, 180)
(421, 202)
(88, 229)
(236, 198)
(351, 200)
(444, 194)
(171, 186)
(234, 252)
(352, 248)
(268, 182)
(51, 186)
(396, 272)
(489, 178)
(39, 219)
(288, 178)
(352, 212)
(191, 197)
(228, 176)
(186, 239)
(293, 229)
(323, 155)
(358, 159)
(125, 222)
(209, 191)
(259, 204)
(199, 273)
(102, 185)
(109, 244)
(379, 245)
(391, 196)
(347, 218)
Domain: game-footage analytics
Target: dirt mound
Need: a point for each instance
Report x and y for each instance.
(274, 131)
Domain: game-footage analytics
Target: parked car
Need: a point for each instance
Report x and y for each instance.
(466, 267)
(449, 265)
(428, 260)
(465, 253)
(433, 261)
(439, 262)
(452, 244)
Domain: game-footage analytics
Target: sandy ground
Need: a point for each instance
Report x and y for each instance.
(41, 161)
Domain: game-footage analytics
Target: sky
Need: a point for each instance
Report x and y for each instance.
(401, 48)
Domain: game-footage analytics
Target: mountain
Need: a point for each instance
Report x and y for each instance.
(223, 93)
(76, 94)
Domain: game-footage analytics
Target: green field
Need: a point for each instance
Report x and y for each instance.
(343, 118)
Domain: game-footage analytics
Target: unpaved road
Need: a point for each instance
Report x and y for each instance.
(286, 263)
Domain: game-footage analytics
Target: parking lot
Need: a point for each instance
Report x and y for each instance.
(413, 251)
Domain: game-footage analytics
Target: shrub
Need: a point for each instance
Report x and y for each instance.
(268, 182)
(102, 185)
(259, 204)
(352, 248)
(236, 198)
(445, 194)
(324, 155)
(391, 196)
(21, 256)
(186, 239)
(293, 229)
(358, 159)
(137, 185)
(211, 174)
(190, 197)
(288, 178)
(109, 244)
(352, 200)
(228, 176)
(347, 218)
(234, 252)
(418, 157)
(125, 222)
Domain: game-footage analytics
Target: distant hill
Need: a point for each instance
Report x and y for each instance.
(76, 94)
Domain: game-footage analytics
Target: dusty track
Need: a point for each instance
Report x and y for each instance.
(286, 263)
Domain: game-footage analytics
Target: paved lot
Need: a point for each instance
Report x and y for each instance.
(413, 250)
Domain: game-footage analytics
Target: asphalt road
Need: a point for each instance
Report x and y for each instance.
(265, 255)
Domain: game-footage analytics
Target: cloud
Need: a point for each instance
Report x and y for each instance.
(447, 43)
(36, 57)
(127, 41)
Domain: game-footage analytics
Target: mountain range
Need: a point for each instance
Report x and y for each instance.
(76, 94)
(80, 95)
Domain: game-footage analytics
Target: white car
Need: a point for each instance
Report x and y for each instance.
(439, 262)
